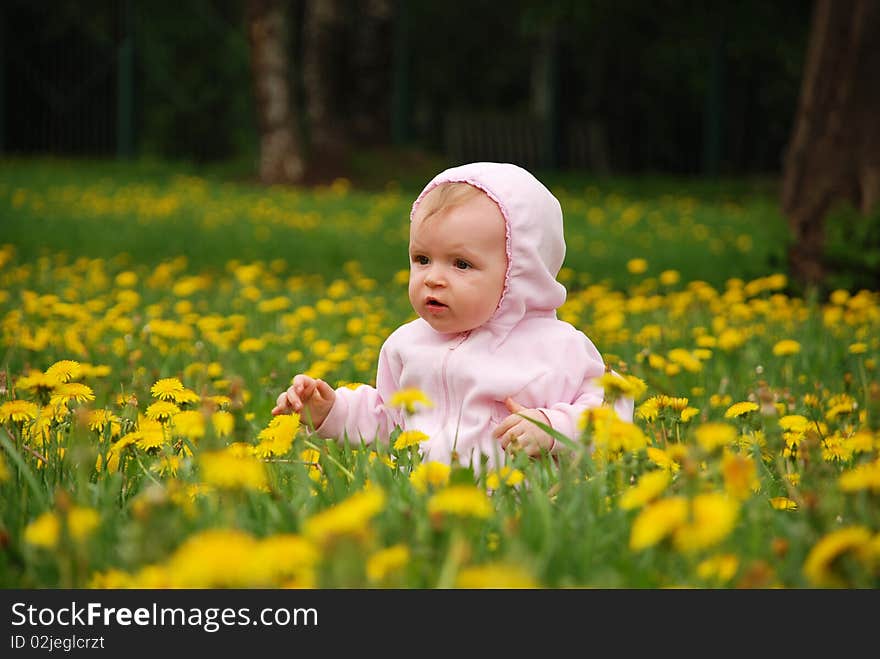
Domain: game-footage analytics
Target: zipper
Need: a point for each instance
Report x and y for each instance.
(446, 401)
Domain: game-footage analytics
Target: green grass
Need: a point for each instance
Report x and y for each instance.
(280, 281)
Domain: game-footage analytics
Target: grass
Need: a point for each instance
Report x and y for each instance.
(752, 461)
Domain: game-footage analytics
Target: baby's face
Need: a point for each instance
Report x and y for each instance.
(458, 260)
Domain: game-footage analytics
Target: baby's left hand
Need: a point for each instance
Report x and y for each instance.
(519, 434)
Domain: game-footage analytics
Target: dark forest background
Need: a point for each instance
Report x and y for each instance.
(625, 86)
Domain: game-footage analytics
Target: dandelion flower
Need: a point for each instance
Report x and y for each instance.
(786, 347)
(507, 475)
(495, 575)
(409, 438)
(637, 266)
(72, 392)
(167, 389)
(740, 475)
(713, 517)
(387, 561)
(230, 468)
(740, 409)
(863, 477)
(45, 530)
(64, 370)
(18, 411)
(657, 521)
(408, 399)
(720, 568)
(713, 435)
(161, 411)
(350, 517)
(819, 565)
(650, 486)
(223, 423)
(460, 500)
(428, 475)
(189, 424)
(783, 503)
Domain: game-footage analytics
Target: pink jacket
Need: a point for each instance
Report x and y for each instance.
(523, 351)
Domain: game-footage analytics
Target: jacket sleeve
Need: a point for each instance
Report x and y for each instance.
(361, 413)
(565, 417)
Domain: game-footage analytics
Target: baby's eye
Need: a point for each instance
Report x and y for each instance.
(421, 259)
(462, 264)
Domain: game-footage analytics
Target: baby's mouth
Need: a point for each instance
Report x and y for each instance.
(436, 304)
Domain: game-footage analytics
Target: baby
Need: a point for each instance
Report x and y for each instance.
(486, 243)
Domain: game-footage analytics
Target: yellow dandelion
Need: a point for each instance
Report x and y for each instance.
(18, 411)
(386, 562)
(714, 435)
(786, 347)
(37, 382)
(162, 411)
(189, 424)
(664, 459)
(223, 423)
(819, 564)
(783, 503)
(740, 475)
(232, 468)
(721, 568)
(858, 348)
(616, 386)
(637, 266)
(350, 517)
(277, 437)
(862, 477)
(460, 500)
(72, 392)
(64, 370)
(657, 521)
(507, 475)
(99, 419)
(45, 530)
(649, 486)
(740, 409)
(212, 559)
(713, 517)
(495, 575)
(409, 438)
(168, 465)
(167, 389)
(429, 475)
(409, 398)
(150, 434)
(689, 413)
(285, 559)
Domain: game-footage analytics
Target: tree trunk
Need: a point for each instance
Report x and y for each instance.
(324, 45)
(281, 158)
(834, 151)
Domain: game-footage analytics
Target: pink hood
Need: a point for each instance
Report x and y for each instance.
(535, 240)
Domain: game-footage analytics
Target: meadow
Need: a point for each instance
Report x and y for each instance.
(150, 315)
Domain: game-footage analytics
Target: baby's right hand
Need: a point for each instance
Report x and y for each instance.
(309, 397)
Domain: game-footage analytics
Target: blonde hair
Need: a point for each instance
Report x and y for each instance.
(444, 197)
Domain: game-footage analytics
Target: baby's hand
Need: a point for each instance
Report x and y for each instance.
(519, 434)
(309, 397)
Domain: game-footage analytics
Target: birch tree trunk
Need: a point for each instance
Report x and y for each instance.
(834, 151)
(281, 157)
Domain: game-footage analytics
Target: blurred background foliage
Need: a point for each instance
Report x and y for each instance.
(674, 86)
